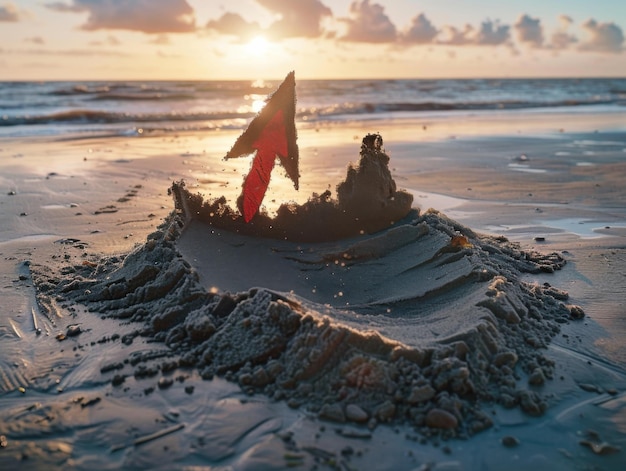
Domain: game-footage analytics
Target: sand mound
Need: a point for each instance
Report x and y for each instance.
(433, 320)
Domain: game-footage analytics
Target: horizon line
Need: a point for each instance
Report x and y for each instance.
(345, 79)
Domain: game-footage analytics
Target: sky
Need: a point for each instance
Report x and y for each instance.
(319, 39)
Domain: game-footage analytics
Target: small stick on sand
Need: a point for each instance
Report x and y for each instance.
(149, 438)
(37, 329)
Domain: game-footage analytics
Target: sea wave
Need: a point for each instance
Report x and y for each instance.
(155, 90)
(86, 116)
(316, 113)
(110, 107)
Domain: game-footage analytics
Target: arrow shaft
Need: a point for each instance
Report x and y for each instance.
(271, 142)
(257, 181)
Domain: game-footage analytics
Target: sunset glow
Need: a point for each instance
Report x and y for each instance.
(194, 39)
(258, 45)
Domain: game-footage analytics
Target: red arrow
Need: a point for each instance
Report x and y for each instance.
(271, 142)
(271, 133)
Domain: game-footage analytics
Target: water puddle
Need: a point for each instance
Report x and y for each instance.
(425, 200)
(583, 228)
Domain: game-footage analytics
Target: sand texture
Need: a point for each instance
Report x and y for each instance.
(437, 324)
(143, 332)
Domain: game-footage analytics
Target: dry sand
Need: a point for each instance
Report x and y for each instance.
(425, 346)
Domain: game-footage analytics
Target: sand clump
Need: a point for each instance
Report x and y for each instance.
(312, 355)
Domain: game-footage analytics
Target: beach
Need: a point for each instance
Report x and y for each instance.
(85, 384)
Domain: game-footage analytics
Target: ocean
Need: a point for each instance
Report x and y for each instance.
(136, 108)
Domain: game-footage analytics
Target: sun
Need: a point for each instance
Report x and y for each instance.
(258, 45)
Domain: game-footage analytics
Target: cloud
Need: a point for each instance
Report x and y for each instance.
(64, 7)
(456, 37)
(161, 40)
(110, 40)
(68, 52)
(34, 40)
(604, 37)
(561, 39)
(369, 24)
(148, 16)
(234, 25)
(168, 55)
(421, 31)
(565, 21)
(529, 31)
(491, 33)
(9, 13)
(298, 18)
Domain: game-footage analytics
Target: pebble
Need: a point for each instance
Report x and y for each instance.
(73, 330)
(439, 418)
(260, 377)
(245, 379)
(165, 383)
(332, 412)
(509, 441)
(118, 379)
(356, 414)
(111, 367)
(461, 350)
(508, 401)
(386, 411)
(576, 312)
(589, 387)
(421, 394)
(531, 404)
(505, 358)
(91, 402)
(347, 451)
(600, 448)
(537, 378)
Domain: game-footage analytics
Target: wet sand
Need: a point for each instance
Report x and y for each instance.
(74, 203)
